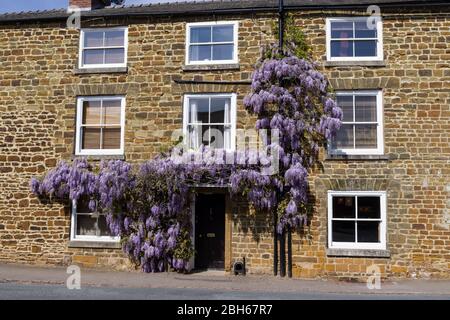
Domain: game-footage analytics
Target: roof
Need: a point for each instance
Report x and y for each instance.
(211, 7)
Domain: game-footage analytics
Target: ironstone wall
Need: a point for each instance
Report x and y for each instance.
(39, 83)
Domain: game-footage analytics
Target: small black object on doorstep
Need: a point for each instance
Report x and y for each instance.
(239, 267)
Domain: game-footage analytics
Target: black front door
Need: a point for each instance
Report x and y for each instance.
(210, 231)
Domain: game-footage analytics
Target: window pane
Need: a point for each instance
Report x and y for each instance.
(346, 104)
(227, 140)
(93, 39)
(86, 225)
(82, 207)
(217, 137)
(222, 33)
(111, 138)
(369, 207)
(200, 53)
(341, 30)
(204, 135)
(366, 136)
(366, 108)
(218, 110)
(114, 55)
(344, 137)
(366, 48)
(93, 56)
(194, 136)
(343, 231)
(90, 138)
(111, 111)
(343, 207)
(103, 226)
(342, 48)
(368, 231)
(199, 110)
(114, 38)
(91, 112)
(223, 52)
(362, 30)
(200, 34)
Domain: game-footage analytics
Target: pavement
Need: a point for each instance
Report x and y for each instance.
(31, 282)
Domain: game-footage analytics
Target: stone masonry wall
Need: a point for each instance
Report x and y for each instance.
(415, 173)
(38, 89)
(38, 93)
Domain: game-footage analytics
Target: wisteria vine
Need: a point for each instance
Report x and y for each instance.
(291, 96)
(148, 205)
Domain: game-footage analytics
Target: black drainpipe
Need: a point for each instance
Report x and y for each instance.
(282, 236)
(289, 253)
(275, 242)
(275, 214)
(281, 23)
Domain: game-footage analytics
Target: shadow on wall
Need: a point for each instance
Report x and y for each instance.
(259, 223)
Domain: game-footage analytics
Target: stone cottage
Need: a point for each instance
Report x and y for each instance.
(119, 86)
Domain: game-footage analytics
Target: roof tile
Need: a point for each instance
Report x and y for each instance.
(201, 7)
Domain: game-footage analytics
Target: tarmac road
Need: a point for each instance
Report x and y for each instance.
(19, 282)
(19, 291)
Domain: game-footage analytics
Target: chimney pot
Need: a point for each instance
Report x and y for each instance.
(87, 4)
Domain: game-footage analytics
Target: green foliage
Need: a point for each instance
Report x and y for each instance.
(294, 38)
(282, 205)
(184, 249)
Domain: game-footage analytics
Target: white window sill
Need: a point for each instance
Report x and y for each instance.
(94, 157)
(351, 63)
(376, 253)
(101, 70)
(362, 157)
(100, 153)
(95, 244)
(199, 67)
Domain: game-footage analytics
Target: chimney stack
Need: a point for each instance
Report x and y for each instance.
(88, 4)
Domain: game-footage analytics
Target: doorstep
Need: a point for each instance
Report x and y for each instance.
(210, 272)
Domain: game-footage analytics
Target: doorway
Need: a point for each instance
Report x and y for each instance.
(210, 231)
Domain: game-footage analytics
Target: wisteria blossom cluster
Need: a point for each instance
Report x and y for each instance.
(67, 182)
(157, 226)
(290, 95)
(147, 207)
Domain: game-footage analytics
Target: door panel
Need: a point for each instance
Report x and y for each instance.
(210, 231)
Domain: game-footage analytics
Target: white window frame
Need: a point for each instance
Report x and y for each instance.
(73, 230)
(378, 57)
(235, 25)
(355, 245)
(106, 65)
(380, 127)
(79, 119)
(232, 97)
